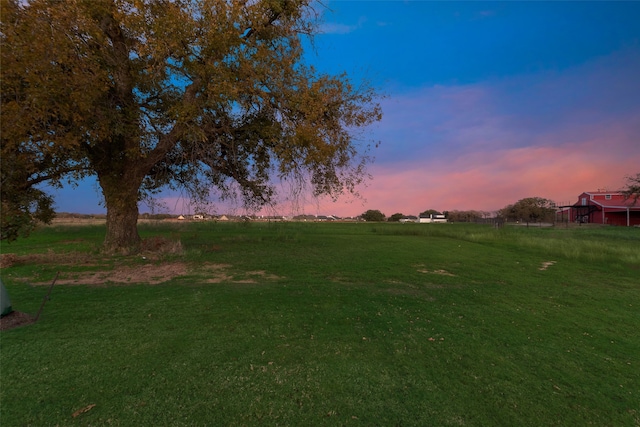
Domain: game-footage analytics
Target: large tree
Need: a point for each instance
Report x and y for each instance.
(192, 94)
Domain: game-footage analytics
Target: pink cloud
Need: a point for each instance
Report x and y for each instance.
(489, 181)
(483, 146)
(486, 145)
(483, 180)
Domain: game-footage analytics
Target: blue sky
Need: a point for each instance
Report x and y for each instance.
(486, 102)
(407, 44)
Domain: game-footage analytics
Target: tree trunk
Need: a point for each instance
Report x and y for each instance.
(121, 198)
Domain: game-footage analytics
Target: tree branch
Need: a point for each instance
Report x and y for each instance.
(251, 30)
(58, 174)
(170, 139)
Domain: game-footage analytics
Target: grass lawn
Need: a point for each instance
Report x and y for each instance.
(326, 324)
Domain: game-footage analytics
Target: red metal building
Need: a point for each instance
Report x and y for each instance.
(603, 207)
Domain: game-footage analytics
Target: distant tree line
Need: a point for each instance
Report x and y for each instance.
(465, 216)
(530, 209)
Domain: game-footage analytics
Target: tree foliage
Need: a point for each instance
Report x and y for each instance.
(429, 212)
(530, 209)
(184, 94)
(463, 216)
(632, 189)
(373, 215)
(395, 217)
(23, 207)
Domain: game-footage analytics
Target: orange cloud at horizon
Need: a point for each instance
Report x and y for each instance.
(484, 181)
(492, 180)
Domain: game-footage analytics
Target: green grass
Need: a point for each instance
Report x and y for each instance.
(348, 324)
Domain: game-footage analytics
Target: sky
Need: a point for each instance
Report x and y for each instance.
(485, 103)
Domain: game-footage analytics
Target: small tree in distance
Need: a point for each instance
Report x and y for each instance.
(395, 217)
(463, 216)
(430, 212)
(530, 209)
(373, 216)
(632, 190)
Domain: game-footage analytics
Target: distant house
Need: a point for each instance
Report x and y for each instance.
(602, 207)
(432, 218)
(272, 218)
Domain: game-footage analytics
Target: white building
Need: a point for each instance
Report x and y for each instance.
(432, 218)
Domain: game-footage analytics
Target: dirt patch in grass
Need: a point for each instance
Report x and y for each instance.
(219, 273)
(66, 258)
(99, 269)
(546, 265)
(263, 275)
(153, 248)
(151, 274)
(15, 319)
(440, 272)
(421, 268)
(157, 273)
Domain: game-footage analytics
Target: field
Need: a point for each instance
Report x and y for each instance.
(325, 324)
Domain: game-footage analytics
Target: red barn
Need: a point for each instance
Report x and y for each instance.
(603, 207)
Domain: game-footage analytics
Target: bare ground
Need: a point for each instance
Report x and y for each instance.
(101, 272)
(152, 273)
(15, 319)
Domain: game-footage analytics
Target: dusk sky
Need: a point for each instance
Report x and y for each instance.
(486, 103)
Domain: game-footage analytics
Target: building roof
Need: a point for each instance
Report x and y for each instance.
(619, 202)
